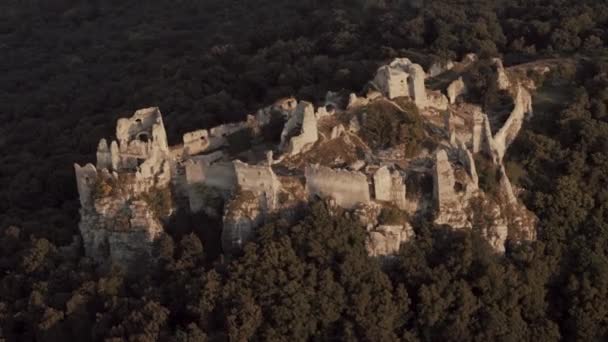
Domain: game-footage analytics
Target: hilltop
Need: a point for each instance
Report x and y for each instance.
(398, 154)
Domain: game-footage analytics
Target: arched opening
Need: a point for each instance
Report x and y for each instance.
(143, 137)
(138, 121)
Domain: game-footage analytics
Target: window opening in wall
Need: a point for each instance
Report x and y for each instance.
(143, 137)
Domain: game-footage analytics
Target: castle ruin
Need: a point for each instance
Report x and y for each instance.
(139, 180)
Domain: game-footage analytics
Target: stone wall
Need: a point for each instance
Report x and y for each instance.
(85, 180)
(220, 176)
(502, 79)
(145, 125)
(259, 179)
(508, 132)
(455, 89)
(104, 156)
(439, 68)
(309, 133)
(346, 187)
(402, 78)
(478, 123)
(196, 142)
(444, 181)
(390, 187)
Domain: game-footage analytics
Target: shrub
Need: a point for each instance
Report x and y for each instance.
(385, 126)
(211, 197)
(159, 201)
(392, 216)
(271, 132)
(101, 188)
(489, 175)
(239, 141)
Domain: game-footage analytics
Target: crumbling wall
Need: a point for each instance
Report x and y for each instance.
(104, 156)
(284, 107)
(488, 144)
(259, 179)
(196, 142)
(439, 68)
(115, 155)
(154, 172)
(387, 239)
(505, 186)
(465, 157)
(402, 78)
(309, 134)
(444, 181)
(346, 187)
(390, 187)
(502, 79)
(508, 132)
(138, 137)
(455, 89)
(145, 125)
(85, 180)
(220, 176)
(218, 135)
(478, 126)
(294, 121)
(416, 84)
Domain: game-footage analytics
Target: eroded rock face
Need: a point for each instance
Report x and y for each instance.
(243, 214)
(120, 230)
(119, 222)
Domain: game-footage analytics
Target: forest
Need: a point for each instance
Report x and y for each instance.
(70, 68)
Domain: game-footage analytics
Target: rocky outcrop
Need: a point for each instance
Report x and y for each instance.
(125, 198)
